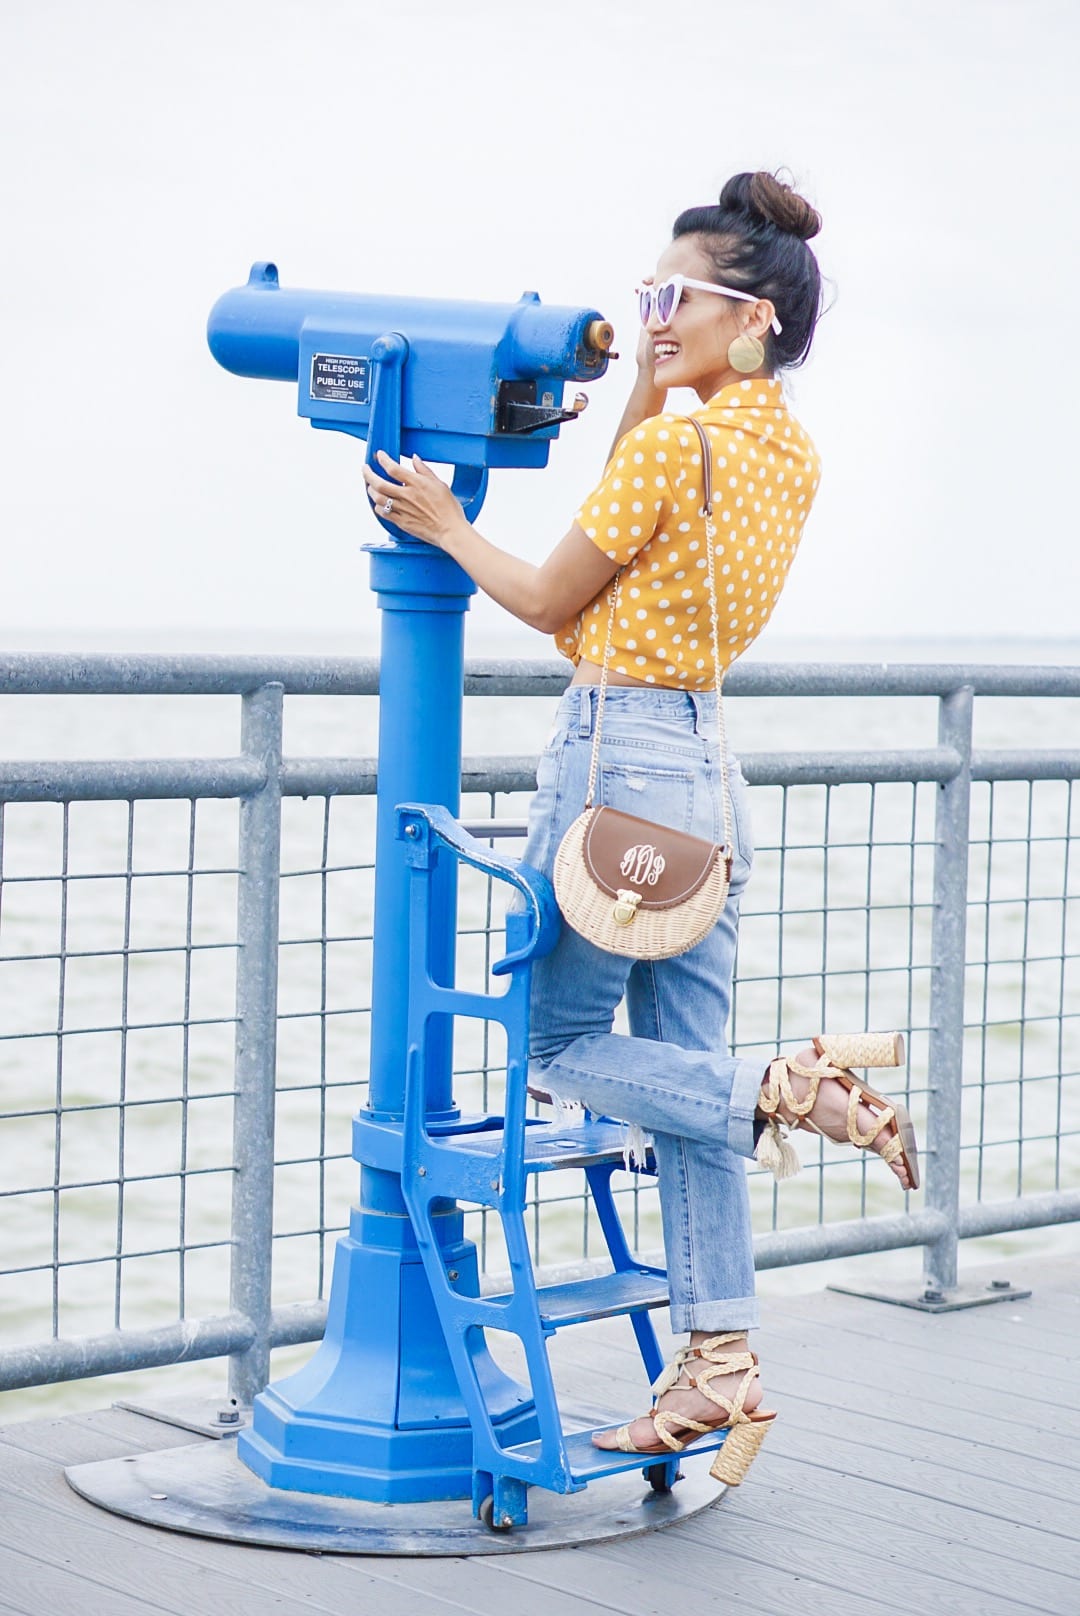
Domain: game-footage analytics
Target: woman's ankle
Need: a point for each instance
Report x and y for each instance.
(775, 1089)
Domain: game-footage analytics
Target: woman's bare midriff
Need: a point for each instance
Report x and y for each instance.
(588, 673)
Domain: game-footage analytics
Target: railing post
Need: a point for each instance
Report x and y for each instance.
(952, 831)
(256, 1039)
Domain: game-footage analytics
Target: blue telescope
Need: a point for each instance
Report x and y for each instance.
(379, 1412)
(469, 385)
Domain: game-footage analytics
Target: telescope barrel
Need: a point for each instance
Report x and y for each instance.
(468, 384)
(256, 330)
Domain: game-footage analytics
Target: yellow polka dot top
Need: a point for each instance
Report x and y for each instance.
(646, 515)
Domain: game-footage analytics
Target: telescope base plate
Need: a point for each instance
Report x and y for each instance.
(205, 1490)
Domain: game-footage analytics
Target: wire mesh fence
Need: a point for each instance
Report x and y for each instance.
(123, 947)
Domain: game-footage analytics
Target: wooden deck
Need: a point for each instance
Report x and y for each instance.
(922, 1463)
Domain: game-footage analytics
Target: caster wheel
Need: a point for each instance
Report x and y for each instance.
(487, 1516)
(661, 1477)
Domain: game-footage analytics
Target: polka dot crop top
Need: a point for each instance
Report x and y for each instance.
(646, 515)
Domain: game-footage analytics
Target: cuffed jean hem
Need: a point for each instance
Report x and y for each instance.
(734, 1313)
(745, 1093)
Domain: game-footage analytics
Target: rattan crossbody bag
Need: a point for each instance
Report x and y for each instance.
(627, 884)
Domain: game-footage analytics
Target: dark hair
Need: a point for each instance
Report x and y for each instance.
(755, 240)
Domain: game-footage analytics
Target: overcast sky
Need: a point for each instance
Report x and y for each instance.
(152, 151)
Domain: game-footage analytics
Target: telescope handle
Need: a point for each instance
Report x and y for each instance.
(388, 356)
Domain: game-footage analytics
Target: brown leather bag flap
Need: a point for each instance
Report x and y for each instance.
(665, 867)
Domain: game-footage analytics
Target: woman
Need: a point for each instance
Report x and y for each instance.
(734, 300)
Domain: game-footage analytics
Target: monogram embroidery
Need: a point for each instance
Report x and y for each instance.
(642, 864)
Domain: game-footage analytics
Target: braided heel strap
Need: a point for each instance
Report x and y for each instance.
(863, 1141)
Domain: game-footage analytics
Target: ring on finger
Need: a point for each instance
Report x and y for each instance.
(387, 507)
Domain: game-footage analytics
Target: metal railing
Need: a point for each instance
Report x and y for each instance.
(184, 959)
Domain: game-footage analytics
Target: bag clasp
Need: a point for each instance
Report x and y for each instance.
(625, 907)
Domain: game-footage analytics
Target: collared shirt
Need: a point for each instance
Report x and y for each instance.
(646, 515)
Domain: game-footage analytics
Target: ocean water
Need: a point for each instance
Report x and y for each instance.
(105, 897)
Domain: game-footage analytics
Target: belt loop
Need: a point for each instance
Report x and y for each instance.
(704, 714)
(584, 711)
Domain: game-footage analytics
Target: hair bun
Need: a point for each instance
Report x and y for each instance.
(773, 199)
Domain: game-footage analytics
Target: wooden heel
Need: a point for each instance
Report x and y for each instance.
(740, 1449)
(862, 1048)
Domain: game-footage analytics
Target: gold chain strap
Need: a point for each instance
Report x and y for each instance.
(616, 590)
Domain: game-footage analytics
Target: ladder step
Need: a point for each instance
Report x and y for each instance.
(548, 1147)
(603, 1297)
(587, 1463)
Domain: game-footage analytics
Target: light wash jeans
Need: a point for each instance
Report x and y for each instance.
(659, 758)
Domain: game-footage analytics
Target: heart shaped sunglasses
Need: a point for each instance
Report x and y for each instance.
(665, 298)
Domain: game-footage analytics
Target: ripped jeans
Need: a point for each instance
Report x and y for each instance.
(673, 1077)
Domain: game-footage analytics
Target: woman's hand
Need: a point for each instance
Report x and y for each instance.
(421, 504)
(646, 357)
(646, 396)
(646, 353)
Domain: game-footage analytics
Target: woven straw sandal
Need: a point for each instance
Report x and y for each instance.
(746, 1432)
(837, 1054)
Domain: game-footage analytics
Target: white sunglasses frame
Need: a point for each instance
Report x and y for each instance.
(679, 281)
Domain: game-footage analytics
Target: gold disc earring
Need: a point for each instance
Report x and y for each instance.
(745, 353)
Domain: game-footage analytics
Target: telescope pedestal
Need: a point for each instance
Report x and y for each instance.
(377, 1413)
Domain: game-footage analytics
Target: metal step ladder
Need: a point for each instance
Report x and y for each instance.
(487, 1160)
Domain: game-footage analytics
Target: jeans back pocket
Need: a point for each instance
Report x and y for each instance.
(665, 796)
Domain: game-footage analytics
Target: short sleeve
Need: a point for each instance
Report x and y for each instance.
(632, 501)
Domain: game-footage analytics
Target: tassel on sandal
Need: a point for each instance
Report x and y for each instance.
(837, 1054)
(746, 1432)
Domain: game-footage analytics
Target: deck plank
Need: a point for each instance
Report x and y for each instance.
(38, 1588)
(921, 1462)
(855, 1565)
(644, 1576)
(959, 1461)
(103, 1433)
(982, 1366)
(905, 1406)
(965, 1526)
(851, 1447)
(863, 1387)
(991, 1351)
(902, 1537)
(865, 1359)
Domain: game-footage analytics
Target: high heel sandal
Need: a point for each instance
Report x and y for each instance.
(837, 1054)
(746, 1432)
